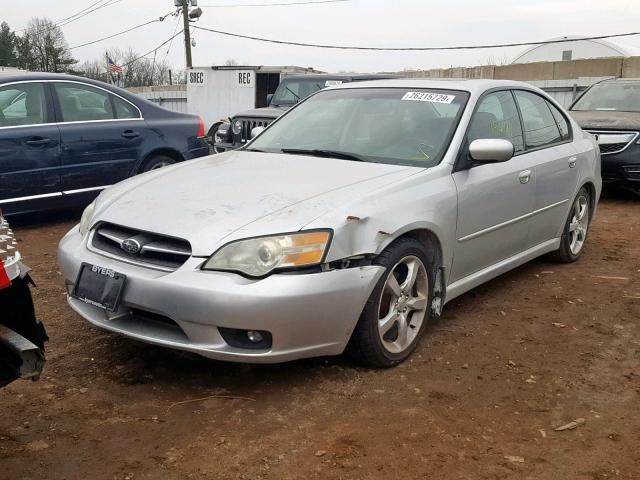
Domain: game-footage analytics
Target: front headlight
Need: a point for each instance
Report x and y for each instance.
(85, 220)
(257, 257)
(236, 126)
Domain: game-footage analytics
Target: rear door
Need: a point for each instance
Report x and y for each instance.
(29, 147)
(102, 136)
(548, 143)
(494, 200)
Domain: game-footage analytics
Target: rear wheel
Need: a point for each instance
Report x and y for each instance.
(395, 315)
(155, 162)
(576, 228)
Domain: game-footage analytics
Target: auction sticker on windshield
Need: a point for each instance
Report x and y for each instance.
(429, 97)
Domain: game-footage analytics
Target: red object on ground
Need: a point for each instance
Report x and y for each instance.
(4, 278)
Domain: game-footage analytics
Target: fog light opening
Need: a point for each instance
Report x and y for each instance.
(247, 339)
(255, 337)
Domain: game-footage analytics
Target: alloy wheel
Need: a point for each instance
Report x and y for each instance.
(579, 224)
(403, 304)
(159, 165)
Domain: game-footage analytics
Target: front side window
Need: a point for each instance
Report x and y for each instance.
(497, 117)
(386, 125)
(22, 104)
(82, 103)
(540, 128)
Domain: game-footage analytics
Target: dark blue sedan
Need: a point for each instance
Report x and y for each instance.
(63, 139)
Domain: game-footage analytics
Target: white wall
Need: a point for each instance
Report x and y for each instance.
(219, 94)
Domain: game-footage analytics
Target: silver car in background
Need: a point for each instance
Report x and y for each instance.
(346, 224)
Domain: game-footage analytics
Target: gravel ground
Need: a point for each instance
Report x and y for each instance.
(507, 363)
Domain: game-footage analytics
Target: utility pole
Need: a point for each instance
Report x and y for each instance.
(187, 36)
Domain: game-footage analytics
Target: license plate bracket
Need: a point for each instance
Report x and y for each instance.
(99, 286)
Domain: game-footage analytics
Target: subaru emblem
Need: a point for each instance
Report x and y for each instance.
(131, 246)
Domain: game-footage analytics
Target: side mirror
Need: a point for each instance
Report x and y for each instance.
(255, 131)
(269, 98)
(491, 150)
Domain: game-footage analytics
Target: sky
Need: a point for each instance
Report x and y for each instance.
(379, 23)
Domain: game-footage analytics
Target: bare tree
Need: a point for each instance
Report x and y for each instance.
(137, 72)
(42, 47)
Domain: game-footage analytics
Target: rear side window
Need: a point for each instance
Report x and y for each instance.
(561, 121)
(540, 127)
(497, 117)
(124, 109)
(22, 104)
(82, 103)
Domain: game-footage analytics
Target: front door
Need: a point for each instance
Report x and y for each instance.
(29, 148)
(494, 200)
(101, 134)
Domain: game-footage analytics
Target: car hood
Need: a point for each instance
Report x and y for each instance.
(606, 120)
(216, 199)
(266, 112)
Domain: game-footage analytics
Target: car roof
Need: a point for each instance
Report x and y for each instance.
(341, 76)
(621, 80)
(31, 76)
(468, 85)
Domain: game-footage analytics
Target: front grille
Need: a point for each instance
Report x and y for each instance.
(157, 251)
(249, 124)
(614, 141)
(612, 147)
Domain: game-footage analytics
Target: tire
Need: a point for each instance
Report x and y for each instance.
(576, 229)
(369, 343)
(155, 162)
(212, 135)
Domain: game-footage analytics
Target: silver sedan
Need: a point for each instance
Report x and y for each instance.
(347, 224)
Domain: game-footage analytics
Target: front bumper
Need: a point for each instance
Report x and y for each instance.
(622, 168)
(307, 314)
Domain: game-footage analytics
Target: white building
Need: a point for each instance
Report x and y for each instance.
(573, 50)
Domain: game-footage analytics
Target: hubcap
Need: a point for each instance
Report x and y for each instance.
(403, 304)
(579, 224)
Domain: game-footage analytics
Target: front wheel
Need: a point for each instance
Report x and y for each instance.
(397, 311)
(575, 230)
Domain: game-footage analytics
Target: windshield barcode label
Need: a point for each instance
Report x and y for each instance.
(428, 97)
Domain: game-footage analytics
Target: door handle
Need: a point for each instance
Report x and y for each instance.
(130, 134)
(524, 176)
(37, 141)
(572, 162)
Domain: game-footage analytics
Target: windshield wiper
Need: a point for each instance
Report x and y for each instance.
(292, 93)
(316, 152)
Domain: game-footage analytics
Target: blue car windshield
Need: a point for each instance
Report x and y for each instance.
(387, 125)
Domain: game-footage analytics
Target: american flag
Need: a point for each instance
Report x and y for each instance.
(113, 67)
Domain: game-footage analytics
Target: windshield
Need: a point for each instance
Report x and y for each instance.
(290, 92)
(620, 97)
(387, 125)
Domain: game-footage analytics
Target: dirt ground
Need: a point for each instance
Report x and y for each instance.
(507, 363)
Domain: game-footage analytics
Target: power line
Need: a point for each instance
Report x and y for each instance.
(174, 35)
(466, 47)
(152, 51)
(122, 32)
(75, 16)
(273, 4)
